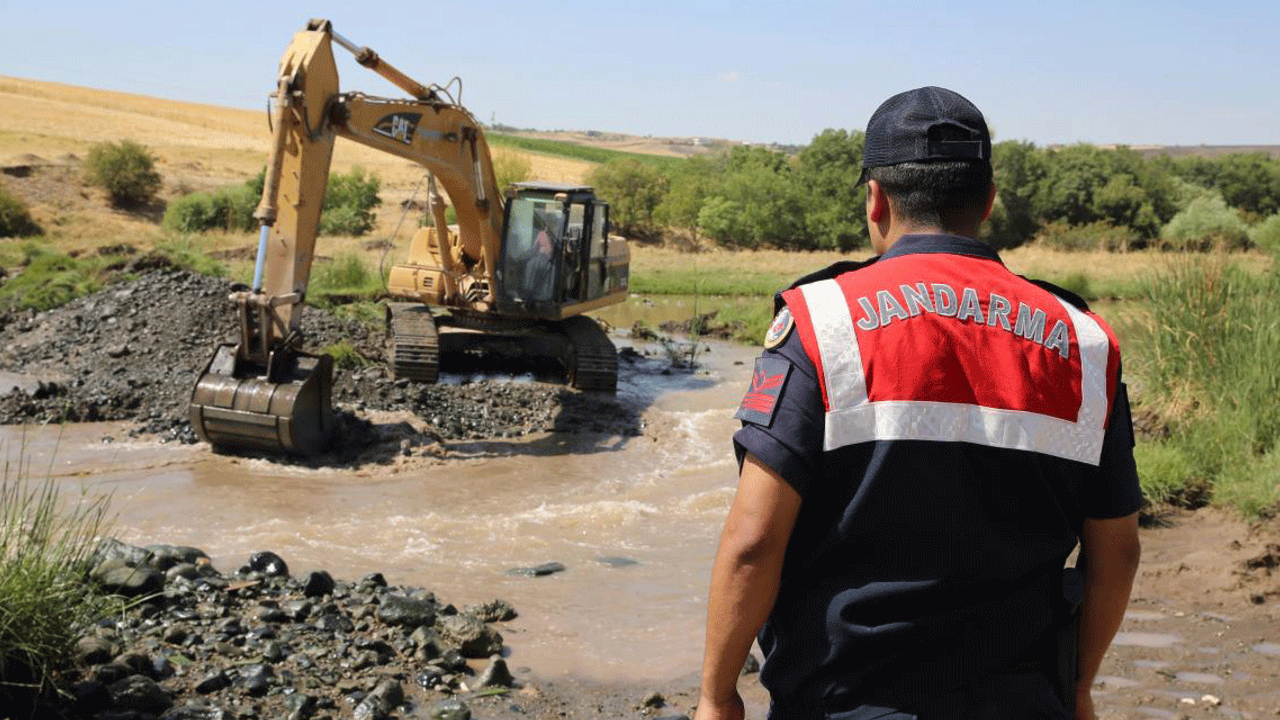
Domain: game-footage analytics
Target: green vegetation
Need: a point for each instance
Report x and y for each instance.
(46, 548)
(15, 219)
(343, 279)
(572, 151)
(125, 169)
(1207, 221)
(348, 206)
(1266, 235)
(1204, 357)
(345, 355)
(50, 279)
(349, 203)
(509, 167)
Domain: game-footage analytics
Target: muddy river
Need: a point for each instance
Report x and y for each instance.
(634, 520)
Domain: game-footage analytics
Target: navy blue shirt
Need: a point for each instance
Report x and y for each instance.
(916, 567)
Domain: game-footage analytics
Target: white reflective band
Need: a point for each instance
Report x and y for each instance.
(853, 419)
(1094, 347)
(837, 343)
(956, 422)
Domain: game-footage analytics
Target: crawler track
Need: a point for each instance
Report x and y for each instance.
(414, 342)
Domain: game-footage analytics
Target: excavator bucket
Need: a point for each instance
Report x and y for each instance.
(289, 408)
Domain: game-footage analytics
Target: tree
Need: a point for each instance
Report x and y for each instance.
(825, 179)
(126, 170)
(1018, 168)
(633, 189)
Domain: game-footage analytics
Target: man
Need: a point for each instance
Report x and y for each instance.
(926, 438)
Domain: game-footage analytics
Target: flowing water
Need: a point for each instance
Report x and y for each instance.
(634, 520)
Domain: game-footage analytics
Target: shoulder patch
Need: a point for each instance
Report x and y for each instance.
(767, 382)
(780, 329)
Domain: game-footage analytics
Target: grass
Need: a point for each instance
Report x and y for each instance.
(1204, 354)
(46, 547)
(573, 151)
(346, 278)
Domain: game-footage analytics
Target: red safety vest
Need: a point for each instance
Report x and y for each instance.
(955, 348)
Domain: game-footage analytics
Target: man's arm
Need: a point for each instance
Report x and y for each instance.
(744, 582)
(1109, 552)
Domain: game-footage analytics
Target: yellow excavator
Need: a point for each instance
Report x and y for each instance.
(513, 276)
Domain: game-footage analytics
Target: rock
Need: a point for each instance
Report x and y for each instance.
(406, 612)
(496, 674)
(752, 665)
(473, 638)
(300, 706)
(542, 570)
(138, 663)
(255, 680)
(175, 634)
(318, 584)
(112, 549)
(213, 683)
(493, 611)
(164, 557)
(195, 712)
(130, 582)
(94, 651)
(617, 561)
(451, 709)
(90, 697)
(387, 696)
(269, 564)
(186, 571)
(140, 694)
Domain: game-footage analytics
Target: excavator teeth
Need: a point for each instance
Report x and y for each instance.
(235, 408)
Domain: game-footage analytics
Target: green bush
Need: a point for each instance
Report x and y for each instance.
(345, 355)
(46, 550)
(1205, 223)
(345, 277)
(15, 219)
(349, 203)
(52, 279)
(228, 209)
(1266, 234)
(1089, 236)
(126, 170)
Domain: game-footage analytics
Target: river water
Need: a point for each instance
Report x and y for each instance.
(634, 519)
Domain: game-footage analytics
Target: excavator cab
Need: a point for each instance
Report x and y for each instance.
(556, 251)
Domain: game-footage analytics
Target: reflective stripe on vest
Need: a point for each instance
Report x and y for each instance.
(852, 418)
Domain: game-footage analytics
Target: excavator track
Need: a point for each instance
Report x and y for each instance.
(593, 362)
(414, 341)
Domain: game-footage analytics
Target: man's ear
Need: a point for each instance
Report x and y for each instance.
(991, 201)
(877, 202)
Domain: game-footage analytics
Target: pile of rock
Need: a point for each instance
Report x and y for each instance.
(134, 352)
(197, 644)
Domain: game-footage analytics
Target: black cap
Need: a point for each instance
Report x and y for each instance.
(924, 125)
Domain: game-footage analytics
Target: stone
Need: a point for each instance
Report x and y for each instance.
(300, 706)
(255, 680)
(542, 570)
(617, 561)
(405, 611)
(138, 663)
(496, 610)
(752, 665)
(451, 709)
(269, 564)
(495, 674)
(140, 694)
(318, 584)
(213, 683)
(130, 582)
(175, 634)
(89, 697)
(112, 549)
(186, 571)
(195, 712)
(654, 700)
(471, 635)
(94, 651)
(164, 557)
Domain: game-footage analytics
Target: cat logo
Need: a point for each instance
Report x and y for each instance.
(399, 126)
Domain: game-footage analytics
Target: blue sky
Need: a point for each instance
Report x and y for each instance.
(1136, 72)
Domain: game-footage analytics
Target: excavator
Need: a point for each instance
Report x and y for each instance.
(513, 276)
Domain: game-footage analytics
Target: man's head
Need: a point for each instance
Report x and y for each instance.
(927, 165)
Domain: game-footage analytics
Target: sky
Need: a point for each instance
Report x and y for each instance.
(1137, 72)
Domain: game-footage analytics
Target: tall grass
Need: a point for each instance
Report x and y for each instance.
(347, 277)
(1207, 350)
(46, 548)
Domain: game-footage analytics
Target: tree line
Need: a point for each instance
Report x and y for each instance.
(1073, 197)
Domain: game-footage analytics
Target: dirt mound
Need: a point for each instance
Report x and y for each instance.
(134, 351)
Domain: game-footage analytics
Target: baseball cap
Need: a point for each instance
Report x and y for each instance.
(923, 125)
